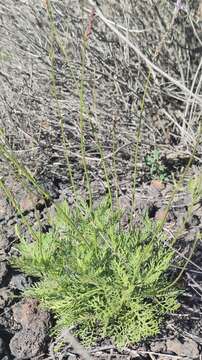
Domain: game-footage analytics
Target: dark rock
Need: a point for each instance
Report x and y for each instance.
(19, 282)
(28, 343)
(5, 295)
(3, 271)
(4, 344)
(195, 220)
(32, 340)
(2, 347)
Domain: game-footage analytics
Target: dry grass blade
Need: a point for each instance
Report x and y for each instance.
(143, 57)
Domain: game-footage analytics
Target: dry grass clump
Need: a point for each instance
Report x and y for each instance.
(33, 53)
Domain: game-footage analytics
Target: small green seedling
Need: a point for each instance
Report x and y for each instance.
(156, 168)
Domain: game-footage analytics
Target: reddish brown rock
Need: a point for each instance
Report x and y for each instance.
(31, 340)
(161, 214)
(29, 202)
(158, 185)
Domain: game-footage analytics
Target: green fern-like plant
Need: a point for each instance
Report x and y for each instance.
(98, 278)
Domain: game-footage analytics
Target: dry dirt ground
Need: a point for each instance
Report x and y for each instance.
(35, 116)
